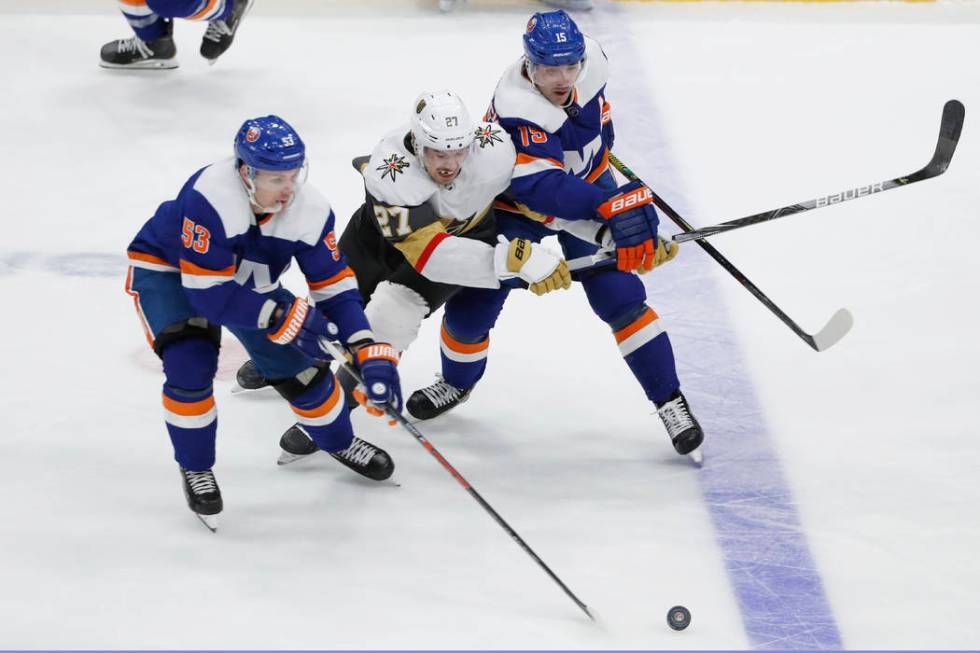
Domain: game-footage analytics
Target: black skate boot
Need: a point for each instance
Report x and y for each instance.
(220, 33)
(684, 431)
(203, 496)
(249, 378)
(435, 399)
(295, 444)
(366, 459)
(158, 54)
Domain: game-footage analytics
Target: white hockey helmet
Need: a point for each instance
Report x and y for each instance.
(440, 121)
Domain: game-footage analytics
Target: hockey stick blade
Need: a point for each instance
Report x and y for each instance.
(711, 251)
(949, 136)
(833, 331)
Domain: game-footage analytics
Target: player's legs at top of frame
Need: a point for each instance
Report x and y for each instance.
(153, 46)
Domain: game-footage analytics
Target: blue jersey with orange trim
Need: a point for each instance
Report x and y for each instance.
(229, 259)
(560, 150)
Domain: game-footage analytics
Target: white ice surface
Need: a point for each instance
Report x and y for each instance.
(751, 107)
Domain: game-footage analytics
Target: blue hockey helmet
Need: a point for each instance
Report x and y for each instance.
(269, 143)
(553, 39)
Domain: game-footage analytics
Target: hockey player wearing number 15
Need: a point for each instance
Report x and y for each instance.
(552, 104)
(212, 257)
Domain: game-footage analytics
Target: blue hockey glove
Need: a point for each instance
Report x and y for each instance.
(378, 363)
(301, 325)
(633, 221)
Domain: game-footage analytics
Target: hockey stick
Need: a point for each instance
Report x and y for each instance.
(338, 356)
(949, 135)
(835, 329)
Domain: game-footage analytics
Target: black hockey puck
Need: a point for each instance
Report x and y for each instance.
(678, 617)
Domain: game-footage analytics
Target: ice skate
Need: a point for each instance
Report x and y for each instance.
(136, 54)
(435, 399)
(220, 33)
(365, 459)
(249, 378)
(203, 496)
(296, 444)
(682, 427)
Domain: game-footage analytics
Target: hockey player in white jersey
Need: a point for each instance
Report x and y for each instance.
(427, 225)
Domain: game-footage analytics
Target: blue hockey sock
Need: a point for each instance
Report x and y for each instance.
(646, 348)
(322, 413)
(192, 422)
(464, 360)
(147, 24)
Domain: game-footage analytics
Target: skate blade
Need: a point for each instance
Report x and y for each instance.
(696, 457)
(238, 389)
(211, 521)
(168, 64)
(286, 458)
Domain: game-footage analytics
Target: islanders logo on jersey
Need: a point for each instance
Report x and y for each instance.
(487, 135)
(253, 134)
(392, 166)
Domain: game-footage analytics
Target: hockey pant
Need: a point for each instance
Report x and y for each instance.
(397, 297)
(148, 18)
(618, 298)
(188, 346)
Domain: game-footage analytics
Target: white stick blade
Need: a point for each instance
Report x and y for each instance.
(834, 330)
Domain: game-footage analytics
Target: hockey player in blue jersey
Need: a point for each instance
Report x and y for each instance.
(552, 103)
(153, 22)
(212, 257)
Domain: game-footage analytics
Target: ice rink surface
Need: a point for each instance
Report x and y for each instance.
(838, 506)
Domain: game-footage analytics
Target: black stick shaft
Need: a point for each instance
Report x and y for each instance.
(949, 135)
(338, 355)
(717, 256)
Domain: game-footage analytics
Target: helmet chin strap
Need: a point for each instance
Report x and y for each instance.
(249, 183)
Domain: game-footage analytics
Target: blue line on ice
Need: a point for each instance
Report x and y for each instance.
(775, 580)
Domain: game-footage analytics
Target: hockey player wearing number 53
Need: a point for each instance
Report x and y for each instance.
(212, 257)
(552, 104)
